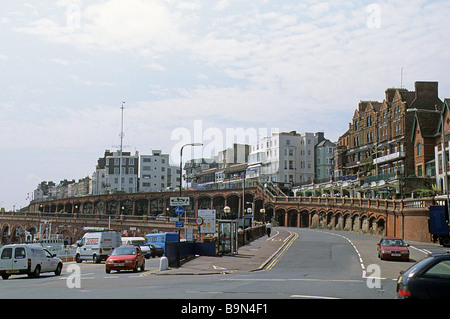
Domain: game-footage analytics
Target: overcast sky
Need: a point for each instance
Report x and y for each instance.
(194, 70)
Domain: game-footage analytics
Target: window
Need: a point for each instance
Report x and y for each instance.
(7, 253)
(19, 253)
(441, 270)
(419, 171)
(419, 149)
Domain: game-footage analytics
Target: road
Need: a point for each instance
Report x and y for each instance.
(317, 264)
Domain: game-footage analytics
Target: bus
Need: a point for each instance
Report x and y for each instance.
(160, 239)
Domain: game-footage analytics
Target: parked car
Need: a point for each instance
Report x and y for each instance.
(30, 259)
(156, 250)
(393, 248)
(138, 241)
(427, 279)
(125, 258)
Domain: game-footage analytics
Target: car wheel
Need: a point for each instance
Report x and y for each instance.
(36, 273)
(135, 269)
(5, 276)
(108, 271)
(446, 241)
(78, 258)
(58, 269)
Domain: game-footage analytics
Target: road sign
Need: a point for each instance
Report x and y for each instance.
(199, 221)
(209, 220)
(179, 201)
(179, 210)
(179, 224)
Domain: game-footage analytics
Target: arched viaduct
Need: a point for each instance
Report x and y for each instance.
(141, 213)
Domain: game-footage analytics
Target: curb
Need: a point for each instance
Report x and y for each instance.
(225, 272)
(268, 260)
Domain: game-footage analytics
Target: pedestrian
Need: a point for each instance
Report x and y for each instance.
(268, 228)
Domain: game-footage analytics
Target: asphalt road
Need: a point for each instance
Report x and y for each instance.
(318, 264)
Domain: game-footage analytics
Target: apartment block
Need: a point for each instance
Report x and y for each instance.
(156, 173)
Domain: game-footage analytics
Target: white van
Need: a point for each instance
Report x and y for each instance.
(138, 241)
(30, 259)
(96, 246)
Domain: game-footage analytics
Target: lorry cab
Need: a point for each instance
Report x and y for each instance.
(97, 245)
(30, 259)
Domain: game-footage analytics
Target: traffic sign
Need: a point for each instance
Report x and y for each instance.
(179, 201)
(199, 221)
(179, 210)
(179, 224)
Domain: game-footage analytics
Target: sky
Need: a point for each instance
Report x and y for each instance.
(213, 72)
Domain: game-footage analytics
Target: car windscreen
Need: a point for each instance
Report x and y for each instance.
(124, 251)
(393, 242)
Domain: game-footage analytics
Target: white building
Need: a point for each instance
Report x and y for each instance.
(286, 157)
(108, 178)
(156, 173)
(236, 154)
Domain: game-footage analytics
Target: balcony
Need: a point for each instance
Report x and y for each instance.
(389, 157)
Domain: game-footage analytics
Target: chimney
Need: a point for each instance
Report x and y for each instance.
(426, 90)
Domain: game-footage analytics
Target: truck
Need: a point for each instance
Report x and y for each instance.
(97, 245)
(438, 224)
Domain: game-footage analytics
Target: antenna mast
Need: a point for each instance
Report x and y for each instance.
(121, 148)
(401, 78)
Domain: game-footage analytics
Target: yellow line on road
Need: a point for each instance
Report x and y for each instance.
(285, 248)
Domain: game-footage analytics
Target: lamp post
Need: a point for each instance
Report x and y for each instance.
(185, 213)
(181, 161)
(226, 210)
(442, 146)
(263, 211)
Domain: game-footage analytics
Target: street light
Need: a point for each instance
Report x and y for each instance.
(442, 146)
(263, 211)
(181, 160)
(226, 210)
(185, 213)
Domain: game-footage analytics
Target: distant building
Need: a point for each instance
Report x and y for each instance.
(156, 173)
(286, 158)
(236, 154)
(116, 172)
(324, 161)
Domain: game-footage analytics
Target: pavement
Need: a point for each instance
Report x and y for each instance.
(253, 256)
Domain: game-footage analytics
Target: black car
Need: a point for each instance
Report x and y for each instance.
(156, 250)
(427, 279)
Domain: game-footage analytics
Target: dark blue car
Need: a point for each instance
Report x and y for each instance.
(427, 279)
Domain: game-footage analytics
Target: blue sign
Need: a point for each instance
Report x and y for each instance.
(179, 210)
(179, 224)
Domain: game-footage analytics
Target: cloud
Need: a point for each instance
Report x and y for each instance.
(113, 25)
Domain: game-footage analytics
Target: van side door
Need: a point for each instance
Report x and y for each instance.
(48, 262)
(20, 260)
(6, 258)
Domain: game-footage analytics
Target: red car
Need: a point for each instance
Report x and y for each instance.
(125, 258)
(393, 248)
